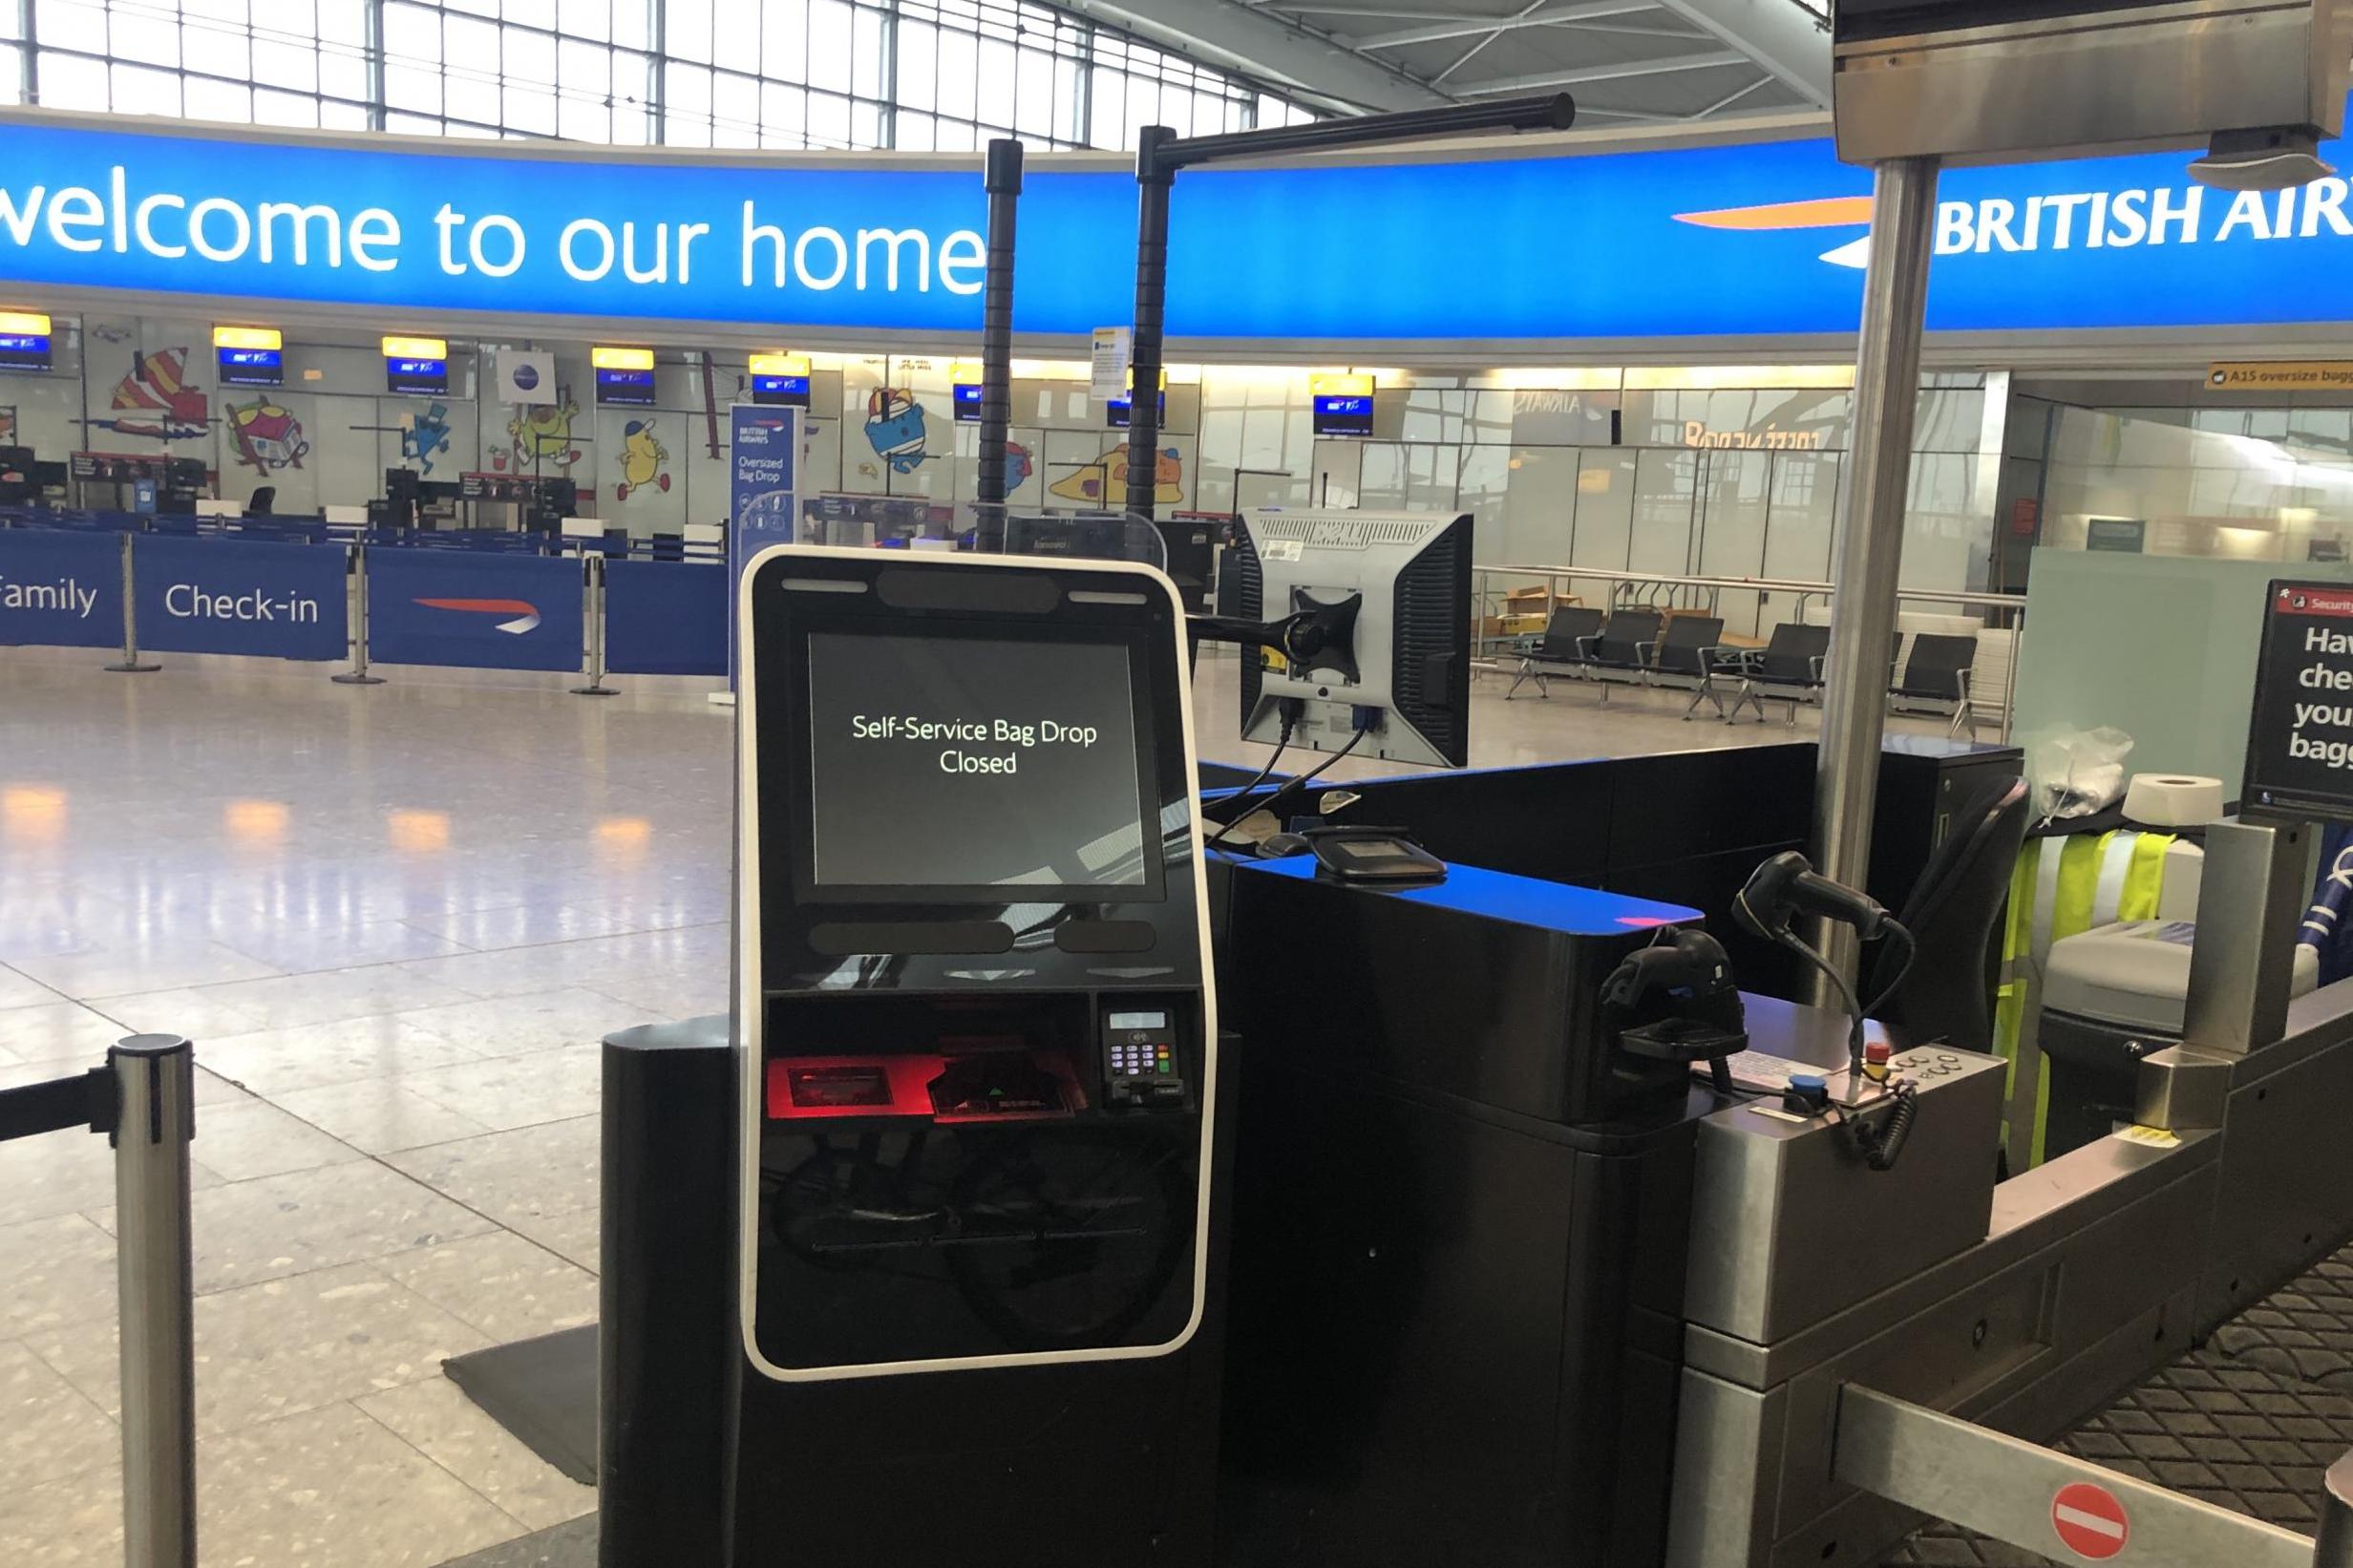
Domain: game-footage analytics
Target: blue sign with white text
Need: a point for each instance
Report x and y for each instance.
(1766, 238)
(764, 505)
(60, 590)
(436, 606)
(239, 596)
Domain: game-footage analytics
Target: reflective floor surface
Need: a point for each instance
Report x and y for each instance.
(396, 920)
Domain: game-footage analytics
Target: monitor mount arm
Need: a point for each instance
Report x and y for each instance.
(1298, 638)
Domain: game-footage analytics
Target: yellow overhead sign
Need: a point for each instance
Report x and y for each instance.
(2283, 375)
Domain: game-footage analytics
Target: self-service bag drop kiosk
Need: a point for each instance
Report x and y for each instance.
(977, 1036)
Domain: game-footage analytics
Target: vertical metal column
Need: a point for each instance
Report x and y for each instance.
(2250, 899)
(592, 615)
(154, 1077)
(357, 674)
(1004, 184)
(131, 665)
(1153, 178)
(1887, 387)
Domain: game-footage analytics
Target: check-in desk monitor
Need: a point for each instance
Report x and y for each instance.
(977, 1020)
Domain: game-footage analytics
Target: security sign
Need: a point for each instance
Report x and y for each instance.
(2089, 1521)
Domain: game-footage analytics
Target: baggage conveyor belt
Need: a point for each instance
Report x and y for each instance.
(2249, 1421)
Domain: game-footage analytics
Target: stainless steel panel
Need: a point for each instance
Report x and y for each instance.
(2181, 1089)
(2250, 902)
(2150, 76)
(1778, 1205)
(2286, 1192)
(2014, 1490)
(1728, 1447)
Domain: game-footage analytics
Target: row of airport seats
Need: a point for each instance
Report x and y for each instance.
(1646, 647)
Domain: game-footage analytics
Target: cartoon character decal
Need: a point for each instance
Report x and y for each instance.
(642, 457)
(1104, 482)
(155, 400)
(1019, 465)
(542, 436)
(267, 436)
(8, 423)
(425, 434)
(894, 428)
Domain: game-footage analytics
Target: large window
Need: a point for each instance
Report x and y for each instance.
(920, 75)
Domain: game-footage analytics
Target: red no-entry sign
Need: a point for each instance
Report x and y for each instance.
(2089, 1521)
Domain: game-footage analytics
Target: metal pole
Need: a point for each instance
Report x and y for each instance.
(1154, 177)
(592, 613)
(357, 674)
(1004, 184)
(130, 664)
(1887, 389)
(155, 1077)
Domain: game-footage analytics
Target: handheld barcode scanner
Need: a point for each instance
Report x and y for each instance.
(978, 1046)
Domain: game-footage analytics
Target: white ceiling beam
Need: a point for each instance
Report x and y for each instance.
(1579, 75)
(1783, 36)
(1477, 27)
(1271, 48)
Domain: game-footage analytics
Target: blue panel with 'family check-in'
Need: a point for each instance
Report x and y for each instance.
(60, 590)
(666, 618)
(436, 606)
(278, 601)
(1767, 239)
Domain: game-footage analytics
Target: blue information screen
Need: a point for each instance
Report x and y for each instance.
(417, 377)
(1350, 416)
(24, 352)
(789, 391)
(626, 388)
(967, 403)
(1120, 412)
(252, 367)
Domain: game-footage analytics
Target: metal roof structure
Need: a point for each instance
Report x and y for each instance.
(1626, 61)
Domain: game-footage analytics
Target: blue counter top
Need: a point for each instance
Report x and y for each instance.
(1522, 901)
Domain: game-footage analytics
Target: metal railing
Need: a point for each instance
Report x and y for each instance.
(1654, 590)
(143, 1100)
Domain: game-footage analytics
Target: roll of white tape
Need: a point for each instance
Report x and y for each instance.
(2172, 800)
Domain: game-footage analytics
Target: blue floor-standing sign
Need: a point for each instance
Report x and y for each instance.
(764, 471)
(60, 590)
(239, 596)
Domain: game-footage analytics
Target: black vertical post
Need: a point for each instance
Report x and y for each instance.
(1154, 176)
(1004, 183)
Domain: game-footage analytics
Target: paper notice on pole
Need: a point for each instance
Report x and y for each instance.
(1114, 348)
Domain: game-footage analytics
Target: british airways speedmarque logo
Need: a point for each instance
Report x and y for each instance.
(526, 615)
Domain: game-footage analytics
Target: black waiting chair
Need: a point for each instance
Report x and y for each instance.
(1955, 916)
(1681, 652)
(1936, 675)
(1788, 669)
(264, 500)
(1558, 652)
(1622, 646)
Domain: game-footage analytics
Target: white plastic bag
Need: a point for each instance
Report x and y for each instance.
(2076, 773)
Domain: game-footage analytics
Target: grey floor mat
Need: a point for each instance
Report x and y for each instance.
(572, 1545)
(545, 1391)
(2248, 1420)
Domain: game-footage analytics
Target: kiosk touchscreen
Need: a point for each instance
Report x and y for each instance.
(978, 1047)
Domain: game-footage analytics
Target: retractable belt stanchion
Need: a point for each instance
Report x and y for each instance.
(131, 663)
(144, 1100)
(357, 674)
(592, 613)
(1004, 183)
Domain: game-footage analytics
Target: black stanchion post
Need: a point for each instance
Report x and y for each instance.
(155, 1085)
(1154, 173)
(132, 664)
(1003, 183)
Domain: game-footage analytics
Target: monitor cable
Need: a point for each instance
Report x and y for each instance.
(1241, 796)
(1296, 785)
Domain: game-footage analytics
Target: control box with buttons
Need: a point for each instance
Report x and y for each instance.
(1142, 1065)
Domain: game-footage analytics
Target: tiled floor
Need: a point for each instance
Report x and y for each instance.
(396, 920)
